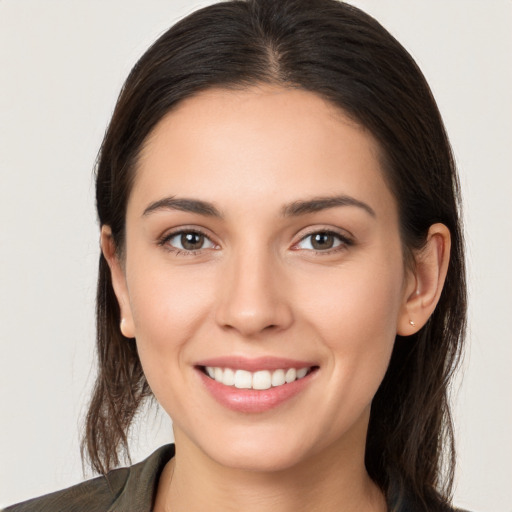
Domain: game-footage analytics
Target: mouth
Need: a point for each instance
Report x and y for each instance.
(255, 385)
(258, 380)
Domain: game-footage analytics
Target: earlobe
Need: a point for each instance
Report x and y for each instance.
(118, 278)
(426, 281)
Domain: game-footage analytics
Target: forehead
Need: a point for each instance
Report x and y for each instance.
(262, 142)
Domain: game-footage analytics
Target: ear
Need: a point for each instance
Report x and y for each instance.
(425, 282)
(118, 277)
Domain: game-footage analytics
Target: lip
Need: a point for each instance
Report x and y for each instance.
(252, 401)
(255, 364)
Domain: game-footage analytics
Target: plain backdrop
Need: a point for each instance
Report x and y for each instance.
(62, 63)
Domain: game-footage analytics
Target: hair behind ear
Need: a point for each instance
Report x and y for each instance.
(120, 385)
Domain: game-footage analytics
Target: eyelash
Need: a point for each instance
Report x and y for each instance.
(344, 240)
(164, 242)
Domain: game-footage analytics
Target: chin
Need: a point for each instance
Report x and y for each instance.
(258, 449)
(260, 459)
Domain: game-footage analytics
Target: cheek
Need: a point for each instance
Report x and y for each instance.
(358, 301)
(168, 308)
(357, 324)
(169, 299)
(355, 312)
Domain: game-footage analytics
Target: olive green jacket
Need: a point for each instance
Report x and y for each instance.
(121, 490)
(133, 489)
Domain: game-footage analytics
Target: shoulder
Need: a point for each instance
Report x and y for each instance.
(118, 490)
(93, 495)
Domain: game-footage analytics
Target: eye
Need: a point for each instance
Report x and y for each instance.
(188, 241)
(323, 241)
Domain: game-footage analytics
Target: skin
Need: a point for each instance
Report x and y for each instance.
(257, 287)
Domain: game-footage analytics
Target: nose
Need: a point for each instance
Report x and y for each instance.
(252, 295)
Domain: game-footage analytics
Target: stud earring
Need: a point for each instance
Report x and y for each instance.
(412, 323)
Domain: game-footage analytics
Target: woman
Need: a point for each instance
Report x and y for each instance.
(282, 269)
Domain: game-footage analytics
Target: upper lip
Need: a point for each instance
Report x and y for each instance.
(254, 364)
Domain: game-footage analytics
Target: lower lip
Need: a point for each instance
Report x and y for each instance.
(251, 400)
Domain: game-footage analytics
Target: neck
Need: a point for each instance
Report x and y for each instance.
(332, 480)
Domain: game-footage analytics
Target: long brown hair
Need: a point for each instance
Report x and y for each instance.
(347, 57)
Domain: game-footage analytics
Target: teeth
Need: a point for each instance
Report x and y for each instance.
(291, 375)
(243, 379)
(301, 373)
(262, 379)
(228, 377)
(278, 378)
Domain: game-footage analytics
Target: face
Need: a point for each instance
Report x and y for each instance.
(262, 276)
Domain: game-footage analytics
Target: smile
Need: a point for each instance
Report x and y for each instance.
(258, 380)
(255, 385)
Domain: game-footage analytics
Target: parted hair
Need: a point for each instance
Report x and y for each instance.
(345, 56)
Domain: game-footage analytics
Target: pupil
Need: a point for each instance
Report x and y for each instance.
(192, 241)
(322, 241)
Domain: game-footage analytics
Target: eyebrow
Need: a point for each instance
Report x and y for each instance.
(323, 203)
(294, 209)
(184, 205)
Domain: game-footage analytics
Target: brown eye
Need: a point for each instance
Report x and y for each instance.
(192, 241)
(189, 241)
(323, 241)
